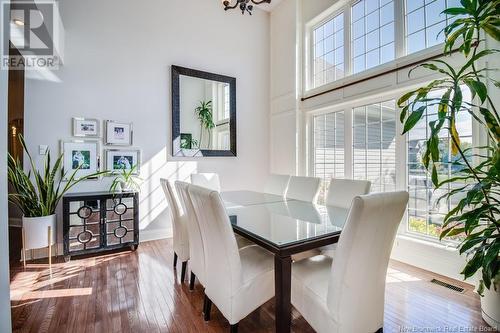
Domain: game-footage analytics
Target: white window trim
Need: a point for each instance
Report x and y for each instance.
(344, 6)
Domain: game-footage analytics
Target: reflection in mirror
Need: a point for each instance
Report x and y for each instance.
(204, 112)
(204, 108)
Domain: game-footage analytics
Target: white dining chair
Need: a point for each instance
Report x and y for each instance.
(180, 233)
(196, 249)
(238, 281)
(303, 188)
(197, 255)
(277, 184)
(348, 295)
(340, 194)
(207, 180)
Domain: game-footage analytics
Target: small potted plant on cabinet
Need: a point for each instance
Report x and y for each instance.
(125, 181)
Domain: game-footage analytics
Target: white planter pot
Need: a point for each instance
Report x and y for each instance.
(36, 231)
(490, 307)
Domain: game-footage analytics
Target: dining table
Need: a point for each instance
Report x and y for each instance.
(284, 227)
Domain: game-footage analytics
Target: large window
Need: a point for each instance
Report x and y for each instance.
(329, 51)
(364, 142)
(377, 32)
(425, 214)
(329, 148)
(372, 33)
(374, 145)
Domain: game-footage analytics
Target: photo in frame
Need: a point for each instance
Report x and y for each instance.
(86, 127)
(123, 159)
(80, 155)
(118, 133)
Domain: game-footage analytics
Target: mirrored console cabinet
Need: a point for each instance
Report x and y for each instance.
(100, 221)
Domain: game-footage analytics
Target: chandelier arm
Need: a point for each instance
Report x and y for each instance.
(226, 7)
(257, 2)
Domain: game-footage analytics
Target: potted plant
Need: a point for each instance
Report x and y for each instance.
(37, 194)
(475, 219)
(205, 116)
(126, 180)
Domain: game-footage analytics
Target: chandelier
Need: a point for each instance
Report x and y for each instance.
(244, 5)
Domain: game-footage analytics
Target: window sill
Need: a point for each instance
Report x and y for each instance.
(447, 246)
(376, 71)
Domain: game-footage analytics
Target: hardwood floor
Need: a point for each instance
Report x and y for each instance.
(140, 292)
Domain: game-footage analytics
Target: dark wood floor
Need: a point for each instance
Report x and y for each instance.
(140, 292)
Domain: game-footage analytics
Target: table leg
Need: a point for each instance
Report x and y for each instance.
(283, 286)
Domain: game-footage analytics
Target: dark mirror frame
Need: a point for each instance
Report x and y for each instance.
(177, 71)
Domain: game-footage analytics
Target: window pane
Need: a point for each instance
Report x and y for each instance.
(424, 22)
(359, 46)
(372, 40)
(387, 13)
(387, 34)
(415, 21)
(374, 145)
(328, 148)
(415, 42)
(328, 51)
(387, 53)
(371, 30)
(358, 11)
(433, 12)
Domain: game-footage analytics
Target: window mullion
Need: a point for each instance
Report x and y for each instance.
(399, 29)
(347, 40)
(348, 143)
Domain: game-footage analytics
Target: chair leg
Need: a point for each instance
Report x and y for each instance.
(175, 259)
(233, 328)
(207, 307)
(191, 281)
(183, 272)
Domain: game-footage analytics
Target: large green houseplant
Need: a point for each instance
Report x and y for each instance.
(37, 193)
(475, 219)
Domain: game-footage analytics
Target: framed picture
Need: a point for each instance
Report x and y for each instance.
(187, 141)
(86, 127)
(118, 133)
(123, 159)
(82, 155)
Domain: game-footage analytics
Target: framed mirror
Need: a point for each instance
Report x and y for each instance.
(203, 113)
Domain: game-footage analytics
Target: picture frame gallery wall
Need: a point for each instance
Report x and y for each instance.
(83, 156)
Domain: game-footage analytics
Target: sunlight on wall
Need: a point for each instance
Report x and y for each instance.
(152, 202)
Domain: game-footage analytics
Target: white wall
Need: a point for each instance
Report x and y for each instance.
(5, 321)
(117, 66)
(284, 111)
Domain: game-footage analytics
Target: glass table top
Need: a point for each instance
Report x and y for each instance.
(248, 198)
(284, 223)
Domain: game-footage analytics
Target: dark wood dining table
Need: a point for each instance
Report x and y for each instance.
(284, 227)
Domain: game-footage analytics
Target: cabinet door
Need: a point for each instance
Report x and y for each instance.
(119, 221)
(84, 225)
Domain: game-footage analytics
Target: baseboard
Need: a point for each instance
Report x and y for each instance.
(434, 257)
(155, 234)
